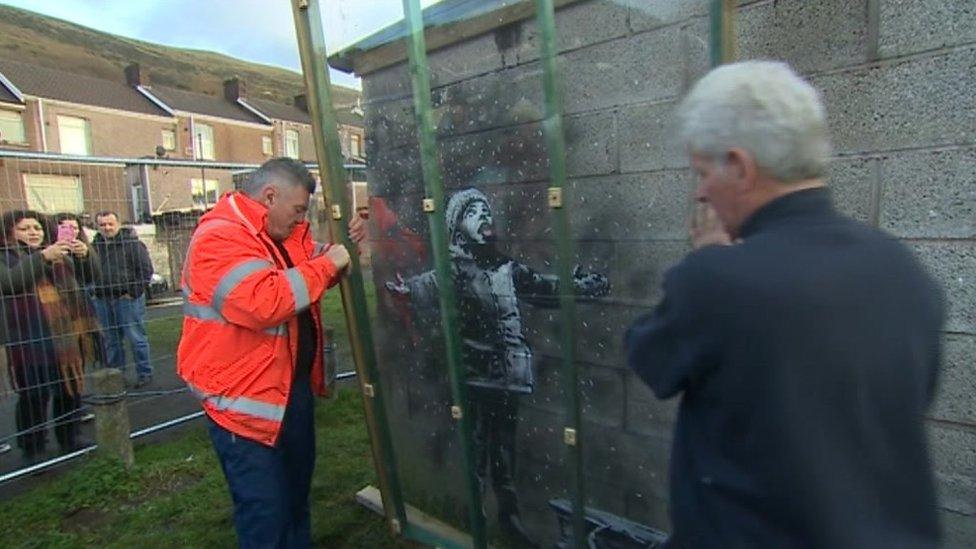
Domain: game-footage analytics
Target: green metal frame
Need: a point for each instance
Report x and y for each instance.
(434, 188)
(552, 128)
(722, 37)
(311, 46)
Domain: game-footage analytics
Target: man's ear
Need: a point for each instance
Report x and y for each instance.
(741, 166)
(268, 194)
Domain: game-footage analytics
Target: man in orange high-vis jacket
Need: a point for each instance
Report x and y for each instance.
(251, 348)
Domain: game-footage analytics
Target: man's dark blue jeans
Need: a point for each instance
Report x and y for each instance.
(270, 486)
(124, 318)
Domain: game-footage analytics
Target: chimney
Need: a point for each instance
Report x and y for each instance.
(136, 75)
(301, 101)
(234, 89)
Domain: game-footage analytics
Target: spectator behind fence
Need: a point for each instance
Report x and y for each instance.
(805, 353)
(120, 296)
(49, 326)
(251, 347)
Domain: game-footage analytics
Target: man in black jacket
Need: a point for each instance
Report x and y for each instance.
(804, 345)
(119, 298)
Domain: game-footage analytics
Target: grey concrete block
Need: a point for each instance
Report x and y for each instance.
(930, 194)
(810, 36)
(519, 154)
(600, 389)
(507, 155)
(956, 397)
(577, 25)
(959, 530)
(618, 457)
(386, 84)
(651, 15)
(645, 67)
(395, 172)
(640, 270)
(953, 451)
(909, 26)
(549, 394)
(591, 144)
(540, 438)
(648, 139)
(851, 182)
(508, 97)
(643, 206)
(907, 104)
(647, 414)
(953, 264)
(602, 326)
(466, 59)
(389, 125)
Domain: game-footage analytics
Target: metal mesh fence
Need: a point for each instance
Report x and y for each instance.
(91, 251)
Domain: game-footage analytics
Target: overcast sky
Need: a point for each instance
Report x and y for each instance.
(256, 30)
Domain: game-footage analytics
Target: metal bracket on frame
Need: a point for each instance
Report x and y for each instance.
(555, 197)
(456, 412)
(336, 211)
(429, 205)
(369, 390)
(569, 436)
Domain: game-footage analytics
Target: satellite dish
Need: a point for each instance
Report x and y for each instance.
(160, 151)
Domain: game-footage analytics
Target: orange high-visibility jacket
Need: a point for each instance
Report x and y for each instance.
(240, 307)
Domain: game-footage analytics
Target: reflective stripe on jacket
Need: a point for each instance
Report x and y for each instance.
(240, 307)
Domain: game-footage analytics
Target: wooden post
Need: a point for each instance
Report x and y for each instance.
(111, 415)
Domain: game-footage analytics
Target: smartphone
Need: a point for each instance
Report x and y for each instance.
(66, 233)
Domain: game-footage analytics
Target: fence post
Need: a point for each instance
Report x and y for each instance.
(111, 415)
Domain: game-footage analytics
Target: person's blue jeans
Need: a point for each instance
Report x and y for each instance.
(123, 319)
(270, 486)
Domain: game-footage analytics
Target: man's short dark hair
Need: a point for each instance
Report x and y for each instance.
(104, 213)
(286, 171)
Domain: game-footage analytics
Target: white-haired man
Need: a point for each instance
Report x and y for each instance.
(805, 354)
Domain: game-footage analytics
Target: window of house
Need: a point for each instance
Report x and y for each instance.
(204, 192)
(75, 135)
(355, 146)
(291, 144)
(54, 193)
(203, 142)
(169, 140)
(266, 146)
(12, 127)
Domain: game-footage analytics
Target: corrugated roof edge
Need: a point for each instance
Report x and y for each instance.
(387, 46)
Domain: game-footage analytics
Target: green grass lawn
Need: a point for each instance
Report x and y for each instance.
(176, 496)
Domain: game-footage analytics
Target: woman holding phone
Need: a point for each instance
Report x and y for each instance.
(49, 324)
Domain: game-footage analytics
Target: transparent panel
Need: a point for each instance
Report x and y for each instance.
(627, 198)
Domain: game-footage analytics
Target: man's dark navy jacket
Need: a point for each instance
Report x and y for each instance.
(806, 357)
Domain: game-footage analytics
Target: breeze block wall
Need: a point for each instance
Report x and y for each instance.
(898, 78)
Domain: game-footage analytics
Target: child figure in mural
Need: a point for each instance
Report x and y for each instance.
(496, 355)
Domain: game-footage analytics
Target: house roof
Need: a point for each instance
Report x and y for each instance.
(199, 103)
(280, 111)
(74, 88)
(291, 113)
(6, 96)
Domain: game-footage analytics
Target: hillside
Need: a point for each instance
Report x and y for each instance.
(33, 38)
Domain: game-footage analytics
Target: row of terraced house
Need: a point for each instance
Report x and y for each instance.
(53, 111)
(58, 130)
